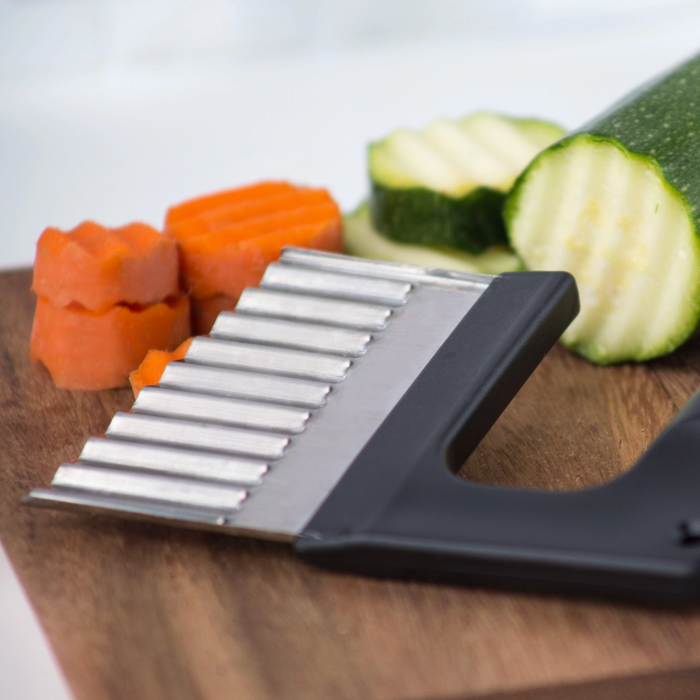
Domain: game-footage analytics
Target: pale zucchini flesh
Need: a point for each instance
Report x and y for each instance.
(362, 240)
(455, 157)
(607, 215)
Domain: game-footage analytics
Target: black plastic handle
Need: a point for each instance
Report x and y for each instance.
(636, 538)
(398, 511)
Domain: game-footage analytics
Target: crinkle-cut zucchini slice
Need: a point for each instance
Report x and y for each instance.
(445, 185)
(609, 216)
(363, 241)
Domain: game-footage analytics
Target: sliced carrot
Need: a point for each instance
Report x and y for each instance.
(84, 349)
(151, 369)
(232, 268)
(194, 207)
(97, 266)
(223, 217)
(226, 240)
(206, 311)
(209, 243)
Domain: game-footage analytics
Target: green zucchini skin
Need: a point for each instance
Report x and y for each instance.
(662, 120)
(658, 127)
(471, 223)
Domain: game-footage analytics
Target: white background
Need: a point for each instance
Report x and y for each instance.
(114, 109)
(28, 669)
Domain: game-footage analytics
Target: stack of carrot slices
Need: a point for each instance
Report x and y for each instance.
(106, 297)
(227, 239)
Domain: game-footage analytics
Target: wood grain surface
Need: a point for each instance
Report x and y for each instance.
(142, 611)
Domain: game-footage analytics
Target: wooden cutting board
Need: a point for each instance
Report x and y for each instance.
(142, 611)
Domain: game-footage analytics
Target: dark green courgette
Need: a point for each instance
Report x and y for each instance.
(617, 204)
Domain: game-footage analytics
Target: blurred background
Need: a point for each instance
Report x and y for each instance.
(114, 109)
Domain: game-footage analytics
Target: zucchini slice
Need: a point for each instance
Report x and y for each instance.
(363, 241)
(617, 205)
(446, 185)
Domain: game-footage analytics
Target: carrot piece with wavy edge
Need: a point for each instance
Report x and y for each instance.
(151, 369)
(97, 266)
(210, 243)
(226, 240)
(226, 216)
(234, 267)
(194, 207)
(84, 349)
(239, 274)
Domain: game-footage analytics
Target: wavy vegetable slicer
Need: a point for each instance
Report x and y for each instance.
(331, 411)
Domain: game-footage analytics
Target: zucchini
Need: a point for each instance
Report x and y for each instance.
(617, 205)
(363, 241)
(446, 185)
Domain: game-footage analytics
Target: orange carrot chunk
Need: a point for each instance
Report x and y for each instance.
(194, 207)
(228, 260)
(225, 216)
(226, 240)
(84, 349)
(97, 267)
(151, 369)
(209, 243)
(232, 268)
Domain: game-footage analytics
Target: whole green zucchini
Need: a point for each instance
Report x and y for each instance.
(617, 204)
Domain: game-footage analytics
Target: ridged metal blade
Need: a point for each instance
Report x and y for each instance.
(271, 360)
(173, 462)
(290, 334)
(187, 404)
(204, 436)
(256, 426)
(116, 482)
(249, 385)
(297, 307)
(289, 278)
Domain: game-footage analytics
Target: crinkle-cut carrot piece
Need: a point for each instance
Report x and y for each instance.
(227, 240)
(206, 311)
(151, 369)
(96, 266)
(210, 243)
(84, 349)
(232, 268)
(226, 216)
(194, 207)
